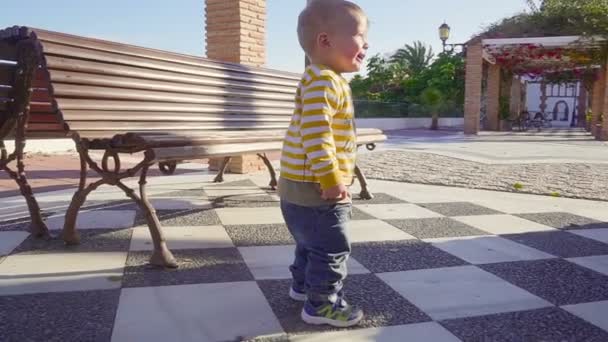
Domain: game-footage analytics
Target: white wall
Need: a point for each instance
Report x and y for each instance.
(533, 105)
(45, 146)
(407, 123)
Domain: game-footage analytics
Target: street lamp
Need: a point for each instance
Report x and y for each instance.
(444, 35)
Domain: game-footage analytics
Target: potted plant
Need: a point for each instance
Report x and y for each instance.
(588, 118)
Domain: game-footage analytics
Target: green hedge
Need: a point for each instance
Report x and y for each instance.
(377, 109)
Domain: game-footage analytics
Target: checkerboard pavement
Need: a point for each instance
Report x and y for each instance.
(428, 264)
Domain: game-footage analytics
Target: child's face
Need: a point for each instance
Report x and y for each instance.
(348, 43)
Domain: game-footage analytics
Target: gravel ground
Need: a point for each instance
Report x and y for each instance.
(587, 181)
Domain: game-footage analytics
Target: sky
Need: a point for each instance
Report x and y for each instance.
(181, 28)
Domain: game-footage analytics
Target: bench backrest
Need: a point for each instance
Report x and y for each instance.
(99, 89)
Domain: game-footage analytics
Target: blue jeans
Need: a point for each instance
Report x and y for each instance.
(322, 247)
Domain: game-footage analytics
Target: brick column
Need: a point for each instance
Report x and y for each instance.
(515, 102)
(472, 92)
(597, 101)
(493, 97)
(582, 106)
(236, 32)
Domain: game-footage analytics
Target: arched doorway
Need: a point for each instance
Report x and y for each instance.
(561, 113)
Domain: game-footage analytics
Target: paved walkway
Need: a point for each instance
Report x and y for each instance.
(555, 162)
(429, 263)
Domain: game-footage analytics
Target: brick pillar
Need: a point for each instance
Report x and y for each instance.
(472, 92)
(582, 106)
(236, 32)
(515, 102)
(493, 97)
(597, 102)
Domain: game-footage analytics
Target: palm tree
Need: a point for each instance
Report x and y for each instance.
(413, 58)
(433, 100)
(532, 5)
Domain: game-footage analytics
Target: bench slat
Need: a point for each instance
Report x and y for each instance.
(57, 127)
(43, 107)
(80, 104)
(174, 126)
(40, 95)
(65, 66)
(43, 118)
(199, 137)
(193, 150)
(91, 55)
(218, 89)
(215, 150)
(362, 133)
(103, 93)
(98, 135)
(100, 115)
(136, 51)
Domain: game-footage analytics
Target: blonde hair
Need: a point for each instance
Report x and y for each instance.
(317, 17)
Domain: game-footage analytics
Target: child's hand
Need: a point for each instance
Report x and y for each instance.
(338, 192)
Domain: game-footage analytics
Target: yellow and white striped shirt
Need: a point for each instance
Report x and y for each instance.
(320, 144)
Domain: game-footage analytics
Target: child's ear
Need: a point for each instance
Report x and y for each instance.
(323, 40)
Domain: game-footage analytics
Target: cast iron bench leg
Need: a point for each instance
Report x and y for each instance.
(161, 256)
(273, 175)
(220, 175)
(365, 193)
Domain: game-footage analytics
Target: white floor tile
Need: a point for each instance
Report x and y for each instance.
(463, 291)
(487, 249)
(420, 332)
(521, 204)
(61, 272)
(594, 313)
(11, 240)
(183, 238)
(272, 262)
(397, 211)
(235, 216)
(503, 224)
(202, 312)
(220, 190)
(183, 203)
(97, 219)
(598, 263)
(374, 230)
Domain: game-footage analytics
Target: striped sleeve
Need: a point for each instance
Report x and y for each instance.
(320, 100)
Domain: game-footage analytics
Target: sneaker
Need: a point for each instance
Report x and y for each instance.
(294, 294)
(338, 314)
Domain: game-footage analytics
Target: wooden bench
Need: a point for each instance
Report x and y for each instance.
(123, 99)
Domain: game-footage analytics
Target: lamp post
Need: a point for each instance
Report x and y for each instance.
(444, 35)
